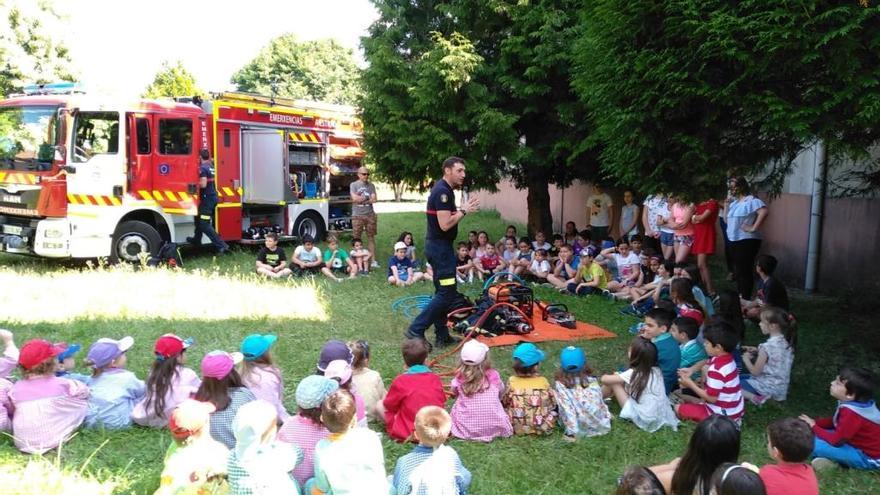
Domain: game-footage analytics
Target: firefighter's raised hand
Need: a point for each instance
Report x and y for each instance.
(471, 205)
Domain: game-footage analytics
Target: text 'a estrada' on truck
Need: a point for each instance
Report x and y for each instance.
(84, 177)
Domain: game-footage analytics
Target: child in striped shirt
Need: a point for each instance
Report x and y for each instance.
(47, 409)
(304, 429)
(259, 373)
(722, 393)
(258, 463)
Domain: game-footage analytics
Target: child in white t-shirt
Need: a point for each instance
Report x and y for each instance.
(361, 256)
(306, 258)
(629, 270)
(540, 266)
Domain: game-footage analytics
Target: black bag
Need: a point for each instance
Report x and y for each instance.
(168, 254)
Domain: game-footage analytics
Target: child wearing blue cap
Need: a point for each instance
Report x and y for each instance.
(578, 395)
(67, 363)
(260, 374)
(528, 400)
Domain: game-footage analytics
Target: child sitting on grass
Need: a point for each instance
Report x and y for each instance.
(259, 463)
(271, 260)
(340, 371)
(578, 395)
(490, 263)
(523, 260)
(114, 390)
(400, 268)
(770, 291)
(259, 373)
(769, 365)
(464, 265)
(416, 388)
(590, 278)
(67, 363)
(565, 270)
(639, 390)
(194, 462)
(852, 436)
(738, 479)
(306, 258)
(721, 394)
(304, 429)
(539, 267)
(477, 413)
(46, 408)
(431, 467)
(361, 256)
(8, 353)
(337, 261)
(351, 459)
(170, 382)
(693, 356)
(656, 329)
(222, 386)
(789, 442)
(367, 382)
(528, 400)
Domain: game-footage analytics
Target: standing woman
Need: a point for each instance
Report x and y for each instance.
(745, 215)
(680, 215)
(704, 219)
(722, 217)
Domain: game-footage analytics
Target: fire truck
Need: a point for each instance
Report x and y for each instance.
(87, 177)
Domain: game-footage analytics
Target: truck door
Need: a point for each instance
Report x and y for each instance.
(140, 153)
(228, 180)
(176, 164)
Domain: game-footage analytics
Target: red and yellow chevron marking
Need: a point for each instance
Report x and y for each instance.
(92, 200)
(305, 137)
(229, 194)
(18, 178)
(173, 202)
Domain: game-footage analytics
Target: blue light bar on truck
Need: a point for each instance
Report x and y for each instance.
(59, 88)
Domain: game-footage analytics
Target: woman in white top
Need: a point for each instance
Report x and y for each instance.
(745, 214)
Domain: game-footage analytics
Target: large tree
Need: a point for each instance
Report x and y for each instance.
(487, 81)
(173, 80)
(682, 91)
(28, 52)
(320, 70)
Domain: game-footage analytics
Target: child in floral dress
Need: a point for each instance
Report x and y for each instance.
(578, 394)
(528, 400)
(477, 413)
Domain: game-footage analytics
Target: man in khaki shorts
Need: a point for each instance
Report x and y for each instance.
(363, 218)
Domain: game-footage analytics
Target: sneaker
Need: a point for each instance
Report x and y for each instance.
(547, 284)
(374, 264)
(446, 341)
(629, 311)
(608, 295)
(569, 438)
(758, 399)
(564, 290)
(823, 463)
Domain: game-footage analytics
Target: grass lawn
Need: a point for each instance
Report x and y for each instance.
(219, 301)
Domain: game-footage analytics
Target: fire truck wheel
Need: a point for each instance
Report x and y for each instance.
(133, 238)
(309, 223)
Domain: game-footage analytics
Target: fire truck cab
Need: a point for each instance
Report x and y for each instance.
(82, 177)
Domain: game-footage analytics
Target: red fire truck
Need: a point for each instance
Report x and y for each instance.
(85, 177)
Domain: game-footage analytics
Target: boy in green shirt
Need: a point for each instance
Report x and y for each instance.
(336, 260)
(693, 355)
(590, 276)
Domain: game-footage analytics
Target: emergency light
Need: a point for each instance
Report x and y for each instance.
(59, 88)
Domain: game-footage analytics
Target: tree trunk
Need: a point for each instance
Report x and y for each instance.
(540, 217)
(399, 188)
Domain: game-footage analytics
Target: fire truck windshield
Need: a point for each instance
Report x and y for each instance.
(28, 136)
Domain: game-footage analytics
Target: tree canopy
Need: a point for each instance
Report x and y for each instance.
(320, 70)
(172, 80)
(28, 52)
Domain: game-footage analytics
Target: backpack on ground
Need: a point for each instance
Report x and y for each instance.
(167, 255)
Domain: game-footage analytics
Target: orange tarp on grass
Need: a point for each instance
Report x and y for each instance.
(545, 331)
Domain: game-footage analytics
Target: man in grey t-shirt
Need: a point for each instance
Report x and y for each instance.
(363, 218)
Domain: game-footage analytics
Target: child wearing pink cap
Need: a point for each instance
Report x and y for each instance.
(169, 383)
(477, 413)
(340, 371)
(114, 389)
(47, 409)
(222, 386)
(259, 373)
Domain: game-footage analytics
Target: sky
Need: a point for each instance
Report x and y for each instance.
(118, 46)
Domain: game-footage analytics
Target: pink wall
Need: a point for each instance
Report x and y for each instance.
(568, 204)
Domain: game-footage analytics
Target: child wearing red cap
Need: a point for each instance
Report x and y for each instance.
(195, 462)
(169, 383)
(47, 408)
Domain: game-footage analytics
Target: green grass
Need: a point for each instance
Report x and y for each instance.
(218, 301)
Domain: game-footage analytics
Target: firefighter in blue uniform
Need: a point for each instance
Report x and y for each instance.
(207, 203)
(443, 218)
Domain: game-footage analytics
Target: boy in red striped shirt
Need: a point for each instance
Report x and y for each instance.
(721, 393)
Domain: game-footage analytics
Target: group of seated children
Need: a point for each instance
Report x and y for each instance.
(307, 259)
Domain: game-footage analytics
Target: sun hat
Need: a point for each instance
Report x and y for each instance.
(399, 245)
(170, 345)
(340, 369)
(255, 345)
(218, 364)
(474, 352)
(69, 350)
(36, 351)
(528, 354)
(333, 350)
(189, 417)
(572, 359)
(104, 351)
(313, 389)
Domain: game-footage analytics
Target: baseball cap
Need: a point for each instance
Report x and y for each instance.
(528, 354)
(170, 345)
(34, 352)
(313, 389)
(333, 350)
(218, 364)
(189, 417)
(591, 251)
(339, 369)
(399, 245)
(572, 359)
(68, 350)
(255, 345)
(104, 351)
(474, 352)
